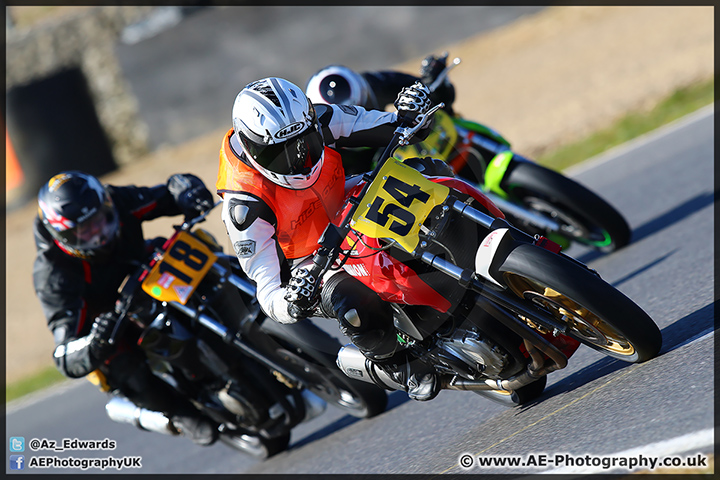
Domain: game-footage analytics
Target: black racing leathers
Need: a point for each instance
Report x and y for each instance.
(385, 86)
(73, 291)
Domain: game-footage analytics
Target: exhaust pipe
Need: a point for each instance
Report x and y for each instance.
(358, 367)
(537, 369)
(457, 383)
(122, 410)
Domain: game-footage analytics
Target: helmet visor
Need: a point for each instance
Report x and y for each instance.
(93, 233)
(335, 89)
(295, 156)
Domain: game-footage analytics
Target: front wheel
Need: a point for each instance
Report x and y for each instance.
(583, 216)
(313, 353)
(594, 312)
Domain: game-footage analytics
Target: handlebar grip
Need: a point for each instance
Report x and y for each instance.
(320, 261)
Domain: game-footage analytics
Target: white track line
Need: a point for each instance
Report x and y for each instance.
(691, 442)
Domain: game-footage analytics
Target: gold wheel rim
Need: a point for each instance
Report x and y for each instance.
(584, 323)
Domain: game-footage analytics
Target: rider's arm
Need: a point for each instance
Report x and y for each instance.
(147, 203)
(60, 295)
(250, 226)
(352, 126)
(386, 84)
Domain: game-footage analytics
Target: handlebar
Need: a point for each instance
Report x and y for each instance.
(122, 307)
(333, 235)
(189, 223)
(433, 86)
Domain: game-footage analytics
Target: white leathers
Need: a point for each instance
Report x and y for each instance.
(250, 223)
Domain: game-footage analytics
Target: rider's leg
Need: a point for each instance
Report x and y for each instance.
(130, 374)
(367, 321)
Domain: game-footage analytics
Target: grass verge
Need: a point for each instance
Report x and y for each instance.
(680, 103)
(43, 379)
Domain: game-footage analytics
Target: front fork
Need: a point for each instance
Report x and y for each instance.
(502, 306)
(495, 174)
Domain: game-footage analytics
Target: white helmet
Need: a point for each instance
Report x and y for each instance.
(278, 129)
(339, 85)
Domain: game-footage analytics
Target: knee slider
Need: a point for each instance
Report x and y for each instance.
(353, 318)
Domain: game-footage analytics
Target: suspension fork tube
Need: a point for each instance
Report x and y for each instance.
(233, 338)
(523, 213)
(466, 279)
(525, 332)
(243, 285)
(488, 221)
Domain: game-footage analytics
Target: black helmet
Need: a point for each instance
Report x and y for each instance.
(78, 212)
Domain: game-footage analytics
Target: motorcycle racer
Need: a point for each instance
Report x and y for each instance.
(89, 238)
(282, 180)
(340, 85)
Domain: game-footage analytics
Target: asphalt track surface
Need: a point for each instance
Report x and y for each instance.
(186, 77)
(597, 406)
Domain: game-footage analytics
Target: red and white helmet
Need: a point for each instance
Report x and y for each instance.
(78, 212)
(278, 129)
(339, 85)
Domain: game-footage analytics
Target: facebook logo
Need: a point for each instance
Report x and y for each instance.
(17, 462)
(17, 444)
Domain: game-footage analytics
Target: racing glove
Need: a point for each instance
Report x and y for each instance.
(100, 333)
(191, 195)
(301, 295)
(413, 100)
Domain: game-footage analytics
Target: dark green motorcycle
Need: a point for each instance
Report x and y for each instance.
(532, 197)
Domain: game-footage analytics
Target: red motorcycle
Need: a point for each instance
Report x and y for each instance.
(489, 307)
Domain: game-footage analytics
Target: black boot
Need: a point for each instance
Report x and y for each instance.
(367, 320)
(420, 381)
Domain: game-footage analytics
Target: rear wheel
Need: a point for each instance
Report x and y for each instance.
(584, 217)
(594, 312)
(313, 352)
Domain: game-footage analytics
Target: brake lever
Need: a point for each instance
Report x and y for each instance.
(406, 133)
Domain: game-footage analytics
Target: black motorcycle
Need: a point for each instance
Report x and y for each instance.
(194, 313)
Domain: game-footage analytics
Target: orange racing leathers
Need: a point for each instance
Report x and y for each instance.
(272, 228)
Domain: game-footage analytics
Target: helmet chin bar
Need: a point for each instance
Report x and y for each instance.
(293, 182)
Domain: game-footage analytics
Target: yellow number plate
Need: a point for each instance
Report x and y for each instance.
(397, 203)
(177, 274)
